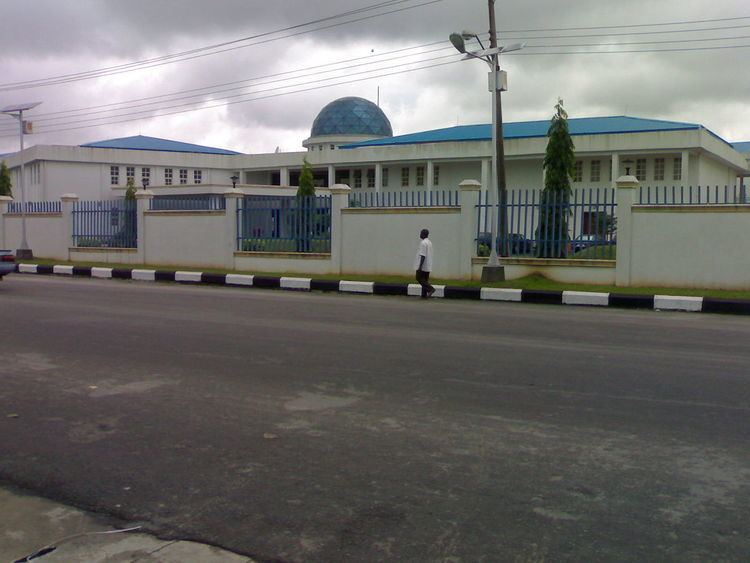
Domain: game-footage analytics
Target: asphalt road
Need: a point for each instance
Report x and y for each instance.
(325, 427)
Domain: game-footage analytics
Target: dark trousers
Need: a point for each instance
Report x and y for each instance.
(423, 279)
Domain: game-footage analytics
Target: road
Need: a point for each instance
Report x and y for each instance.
(325, 427)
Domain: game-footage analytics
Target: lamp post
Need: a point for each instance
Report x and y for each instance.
(498, 82)
(16, 111)
(145, 182)
(234, 179)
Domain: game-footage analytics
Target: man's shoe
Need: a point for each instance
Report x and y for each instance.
(430, 292)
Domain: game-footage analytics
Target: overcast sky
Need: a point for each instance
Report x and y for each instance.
(42, 39)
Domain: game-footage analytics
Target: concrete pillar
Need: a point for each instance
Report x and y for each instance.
(685, 170)
(469, 199)
(331, 175)
(627, 187)
(615, 169)
(4, 201)
(284, 176)
(68, 202)
(143, 202)
(430, 176)
(233, 198)
(378, 177)
(339, 202)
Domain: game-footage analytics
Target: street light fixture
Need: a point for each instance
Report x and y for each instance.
(145, 182)
(498, 82)
(234, 179)
(16, 111)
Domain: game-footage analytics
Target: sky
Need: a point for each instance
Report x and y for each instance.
(281, 62)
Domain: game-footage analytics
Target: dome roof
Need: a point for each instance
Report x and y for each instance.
(351, 116)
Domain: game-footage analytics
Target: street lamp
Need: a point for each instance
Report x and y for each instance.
(16, 111)
(498, 82)
(145, 182)
(234, 179)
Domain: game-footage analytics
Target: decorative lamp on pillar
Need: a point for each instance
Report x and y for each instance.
(234, 179)
(145, 183)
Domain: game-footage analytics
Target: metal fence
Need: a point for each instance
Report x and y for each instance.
(689, 195)
(582, 226)
(284, 224)
(442, 198)
(36, 207)
(108, 224)
(199, 202)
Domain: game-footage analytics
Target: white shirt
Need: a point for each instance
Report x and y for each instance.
(425, 249)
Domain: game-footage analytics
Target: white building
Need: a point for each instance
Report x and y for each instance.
(351, 142)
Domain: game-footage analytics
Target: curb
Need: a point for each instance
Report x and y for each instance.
(548, 297)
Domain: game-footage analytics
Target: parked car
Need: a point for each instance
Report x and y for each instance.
(518, 244)
(7, 262)
(582, 242)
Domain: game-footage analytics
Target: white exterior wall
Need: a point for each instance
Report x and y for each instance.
(379, 241)
(47, 234)
(185, 238)
(695, 246)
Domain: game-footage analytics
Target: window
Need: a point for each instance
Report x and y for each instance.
(114, 175)
(167, 176)
(357, 178)
(596, 171)
(405, 177)
(677, 170)
(659, 169)
(420, 175)
(333, 147)
(370, 177)
(130, 173)
(578, 171)
(183, 176)
(385, 177)
(435, 176)
(640, 169)
(145, 175)
(197, 176)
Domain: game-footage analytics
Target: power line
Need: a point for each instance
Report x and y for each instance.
(623, 26)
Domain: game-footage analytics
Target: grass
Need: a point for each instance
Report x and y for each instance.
(534, 281)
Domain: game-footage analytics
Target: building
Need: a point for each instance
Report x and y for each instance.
(352, 142)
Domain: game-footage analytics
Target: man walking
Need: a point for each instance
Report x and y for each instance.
(423, 264)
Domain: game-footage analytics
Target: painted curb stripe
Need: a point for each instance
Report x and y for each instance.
(62, 270)
(104, 273)
(541, 296)
(239, 279)
(462, 292)
(82, 271)
(122, 274)
(627, 301)
(415, 290)
(381, 288)
(27, 268)
(164, 275)
(324, 285)
(44, 269)
(588, 298)
(355, 286)
(188, 277)
(266, 282)
(295, 283)
(678, 303)
(215, 279)
(500, 294)
(143, 275)
(719, 305)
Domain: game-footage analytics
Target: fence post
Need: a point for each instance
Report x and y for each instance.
(4, 201)
(339, 202)
(626, 194)
(67, 204)
(469, 194)
(143, 200)
(232, 197)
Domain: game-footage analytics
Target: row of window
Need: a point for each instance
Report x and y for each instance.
(114, 175)
(641, 170)
(369, 177)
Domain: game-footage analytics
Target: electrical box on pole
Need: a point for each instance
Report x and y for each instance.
(497, 81)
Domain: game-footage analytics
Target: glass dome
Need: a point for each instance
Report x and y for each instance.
(351, 116)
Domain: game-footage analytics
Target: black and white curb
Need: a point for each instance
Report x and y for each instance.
(581, 298)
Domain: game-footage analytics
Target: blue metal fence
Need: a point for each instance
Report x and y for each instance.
(109, 224)
(198, 202)
(441, 198)
(284, 224)
(36, 207)
(689, 195)
(582, 225)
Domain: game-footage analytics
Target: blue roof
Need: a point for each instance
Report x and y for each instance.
(530, 129)
(141, 143)
(743, 146)
(351, 116)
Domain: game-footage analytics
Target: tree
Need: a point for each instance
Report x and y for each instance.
(5, 183)
(306, 180)
(554, 208)
(304, 220)
(130, 190)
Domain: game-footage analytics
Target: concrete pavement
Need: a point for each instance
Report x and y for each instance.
(335, 428)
